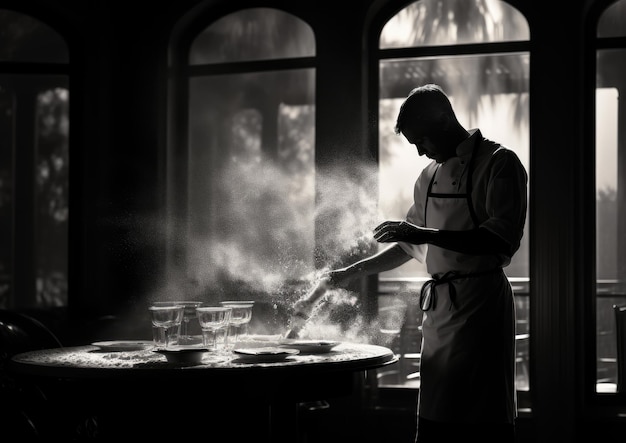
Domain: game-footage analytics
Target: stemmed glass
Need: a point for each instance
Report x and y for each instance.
(239, 318)
(188, 314)
(212, 319)
(165, 318)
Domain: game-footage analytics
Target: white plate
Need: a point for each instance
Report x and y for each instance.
(264, 354)
(124, 345)
(309, 346)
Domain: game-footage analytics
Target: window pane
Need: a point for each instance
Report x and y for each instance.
(612, 22)
(34, 190)
(52, 191)
(498, 105)
(253, 34)
(25, 39)
(437, 22)
(610, 209)
(251, 177)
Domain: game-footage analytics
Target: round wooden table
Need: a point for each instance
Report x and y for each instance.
(140, 394)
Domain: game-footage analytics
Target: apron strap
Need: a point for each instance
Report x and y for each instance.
(468, 186)
(428, 293)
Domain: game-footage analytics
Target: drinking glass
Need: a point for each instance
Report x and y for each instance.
(166, 319)
(189, 314)
(241, 314)
(212, 319)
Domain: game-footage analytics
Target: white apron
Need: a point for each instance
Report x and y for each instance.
(468, 346)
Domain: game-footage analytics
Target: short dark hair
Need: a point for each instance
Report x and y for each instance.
(422, 102)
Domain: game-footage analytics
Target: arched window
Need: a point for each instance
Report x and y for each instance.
(34, 162)
(247, 167)
(478, 52)
(610, 185)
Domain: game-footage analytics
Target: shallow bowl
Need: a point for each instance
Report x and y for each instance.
(183, 354)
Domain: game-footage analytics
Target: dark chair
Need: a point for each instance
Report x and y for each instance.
(21, 333)
(620, 333)
(24, 405)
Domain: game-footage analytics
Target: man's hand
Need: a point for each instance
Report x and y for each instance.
(303, 308)
(395, 231)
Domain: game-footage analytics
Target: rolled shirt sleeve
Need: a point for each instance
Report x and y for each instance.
(506, 199)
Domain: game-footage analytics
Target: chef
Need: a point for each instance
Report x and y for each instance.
(466, 222)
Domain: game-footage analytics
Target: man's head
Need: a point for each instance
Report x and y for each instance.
(427, 120)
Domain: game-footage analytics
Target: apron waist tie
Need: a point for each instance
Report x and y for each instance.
(428, 294)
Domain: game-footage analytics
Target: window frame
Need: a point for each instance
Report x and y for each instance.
(35, 78)
(601, 404)
(398, 395)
